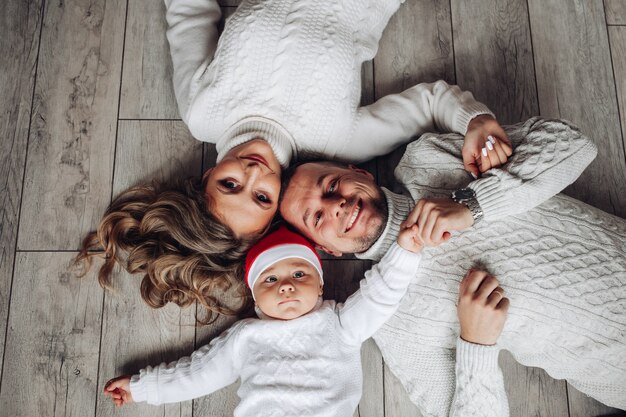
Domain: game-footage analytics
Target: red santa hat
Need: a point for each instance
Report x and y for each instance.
(278, 245)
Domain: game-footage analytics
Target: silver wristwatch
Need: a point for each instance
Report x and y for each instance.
(467, 197)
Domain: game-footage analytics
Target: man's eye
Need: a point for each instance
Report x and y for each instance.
(271, 279)
(263, 198)
(298, 274)
(231, 185)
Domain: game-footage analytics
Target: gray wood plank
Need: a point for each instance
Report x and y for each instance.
(531, 391)
(70, 153)
(617, 39)
(51, 364)
(154, 149)
(582, 405)
(397, 402)
(146, 150)
(615, 12)
(19, 47)
(493, 55)
(575, 82)
(147, 90)
(135, 336)
(416, 47)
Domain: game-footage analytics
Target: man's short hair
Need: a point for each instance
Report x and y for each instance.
(288, 173)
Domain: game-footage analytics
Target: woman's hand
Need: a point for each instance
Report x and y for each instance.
(486, 145)
(482, 308)
(436, 218)
(119, 390)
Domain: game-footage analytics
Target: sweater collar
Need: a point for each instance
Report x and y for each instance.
(257, 127)
(398, 206)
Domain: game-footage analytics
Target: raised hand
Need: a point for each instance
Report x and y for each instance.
(437, 217)
(486, 145)
(482, 308)
(119, 390)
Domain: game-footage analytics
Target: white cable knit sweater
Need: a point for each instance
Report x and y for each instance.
(561, 262)
(290, 72)
(311, 366)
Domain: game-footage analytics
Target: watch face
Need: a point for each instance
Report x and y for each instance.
(464, 194)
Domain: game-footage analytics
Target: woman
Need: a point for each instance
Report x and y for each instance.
(282, 83)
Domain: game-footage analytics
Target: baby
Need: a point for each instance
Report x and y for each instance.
(302, 356)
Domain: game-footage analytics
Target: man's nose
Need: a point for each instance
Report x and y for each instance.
(336, 205)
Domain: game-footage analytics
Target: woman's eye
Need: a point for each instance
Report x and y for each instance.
(263, 198)
(332, 187)
(231, 185)
(271, 279)
(298, 274)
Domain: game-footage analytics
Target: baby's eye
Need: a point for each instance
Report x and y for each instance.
(271, 279)
(298, 274)
(318, 216)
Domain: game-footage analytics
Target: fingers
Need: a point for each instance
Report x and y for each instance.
(413, 215)
(471, 163)
(472, 281)
(496, 296)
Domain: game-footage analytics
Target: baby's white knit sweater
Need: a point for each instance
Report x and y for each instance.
(311, 366)
(290, 72)
(561, 262)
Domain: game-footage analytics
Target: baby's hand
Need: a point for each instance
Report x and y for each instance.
(482, 308)
(119, 390)
(409, 238)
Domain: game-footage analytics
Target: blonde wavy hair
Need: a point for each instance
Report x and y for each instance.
(168, 234)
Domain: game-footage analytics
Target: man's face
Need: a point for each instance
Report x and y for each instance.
(339, 208)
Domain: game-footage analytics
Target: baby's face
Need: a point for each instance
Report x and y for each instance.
(288, 289)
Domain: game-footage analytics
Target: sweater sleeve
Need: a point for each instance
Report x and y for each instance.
(192, 34)
(479, 382)
(397, 118)
(207, 369)
(379, 295)
(548, 155)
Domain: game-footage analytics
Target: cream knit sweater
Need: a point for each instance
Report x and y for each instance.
(311, 366)
(290, 72)
(561, 262)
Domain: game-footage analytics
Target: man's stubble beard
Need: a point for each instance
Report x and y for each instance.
(365, 242)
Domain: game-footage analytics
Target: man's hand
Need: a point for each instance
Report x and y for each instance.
(119, 390)
(486, 145)
(436, 218)
(409, 239)
(482, 308)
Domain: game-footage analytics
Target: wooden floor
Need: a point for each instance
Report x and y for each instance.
(87, 110)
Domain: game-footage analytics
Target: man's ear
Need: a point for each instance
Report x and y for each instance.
(328, 251)
(361, 171)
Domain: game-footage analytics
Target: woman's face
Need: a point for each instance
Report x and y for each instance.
(242, 190)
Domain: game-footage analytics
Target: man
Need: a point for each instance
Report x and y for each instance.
(561, 262)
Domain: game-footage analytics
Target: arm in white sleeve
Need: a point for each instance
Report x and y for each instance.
(380, 293)
(397, 118)
(548, 155)
(208, 369)
(479, 382)
(192, 35)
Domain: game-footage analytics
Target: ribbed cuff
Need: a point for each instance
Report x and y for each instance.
(493, 201)
(476, 358)
(138, 387)
(250, 128)
(467, 113)
(401, 258)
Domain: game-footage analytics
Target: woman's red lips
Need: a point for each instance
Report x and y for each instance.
(257, 158)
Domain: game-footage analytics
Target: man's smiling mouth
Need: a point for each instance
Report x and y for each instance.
(354, 216)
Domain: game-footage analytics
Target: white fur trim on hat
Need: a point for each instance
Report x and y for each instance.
(278, 253)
